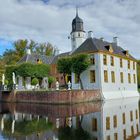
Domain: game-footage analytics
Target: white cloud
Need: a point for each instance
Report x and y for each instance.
(51, 21)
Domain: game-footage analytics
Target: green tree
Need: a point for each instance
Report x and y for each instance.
(64, 66)
(49, 49)
(32, 45)
(44, 49)
(25, 70)
(10, 57)
(41, 70)
(80, 63)
(33, 70)
(8, 74)
(34, 81)
(20, 47)
(51, 80)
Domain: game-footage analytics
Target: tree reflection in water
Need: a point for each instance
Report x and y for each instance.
(115, 119)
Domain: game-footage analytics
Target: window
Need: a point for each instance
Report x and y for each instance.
(121, 62)
(136, 114)
(76, 79)
(128, 64)
(113, 76)
(134, 66)
(112, 60)
(115, 121)
(134, 78)
(115, 136)
(123, 118)
(121, 77)
(131, 116)
(107, 123)
(92, 59)
(124, 134)
(78, 34)
(108, 137)
(137, 126)
(105, 76)
(129, 78)
(92, 76)
(94, 124)
(132, 130)
(105, 59)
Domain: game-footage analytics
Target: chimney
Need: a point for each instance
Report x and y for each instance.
(115, 40)
(28, 51)
(90, 34)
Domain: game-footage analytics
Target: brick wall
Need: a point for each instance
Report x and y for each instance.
(55, 97)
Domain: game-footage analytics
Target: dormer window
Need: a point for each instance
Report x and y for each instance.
(39, 61)
(126, 52)
(109, 48)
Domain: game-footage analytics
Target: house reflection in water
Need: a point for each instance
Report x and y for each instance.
(110, 120)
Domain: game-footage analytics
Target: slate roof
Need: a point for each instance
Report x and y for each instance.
(95, 45)
(32, 58)
(58, 56)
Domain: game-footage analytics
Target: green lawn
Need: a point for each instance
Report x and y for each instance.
(139, 89)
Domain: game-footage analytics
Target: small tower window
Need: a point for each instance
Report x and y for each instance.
(78, 34)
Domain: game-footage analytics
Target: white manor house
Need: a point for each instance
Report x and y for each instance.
(113, 70)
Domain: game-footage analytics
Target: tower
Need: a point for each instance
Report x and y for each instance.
(78, 33)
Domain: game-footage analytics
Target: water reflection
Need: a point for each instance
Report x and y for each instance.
(111, 120)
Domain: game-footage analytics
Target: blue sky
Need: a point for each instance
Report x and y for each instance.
(50, 21)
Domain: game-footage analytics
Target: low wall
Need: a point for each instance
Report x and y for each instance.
(55, 97)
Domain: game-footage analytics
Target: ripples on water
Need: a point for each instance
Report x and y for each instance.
(110, 120)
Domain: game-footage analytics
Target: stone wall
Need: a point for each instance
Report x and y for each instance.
(55, 97)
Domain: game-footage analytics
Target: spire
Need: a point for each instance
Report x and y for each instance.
(77, 11)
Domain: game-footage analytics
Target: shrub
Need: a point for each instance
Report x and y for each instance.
(35, 81)
(51, 80)
(6, 82)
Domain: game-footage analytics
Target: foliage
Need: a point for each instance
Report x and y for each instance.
(6, 82)
(41, 70)
(79, 64)
(12, 56)
(20, 47)
(68, 133)
(33, 70)
(64, 66)
(26, 127)
(44, 49)
(25, 70)
(8, 73)
(34, 82)
(51, 79)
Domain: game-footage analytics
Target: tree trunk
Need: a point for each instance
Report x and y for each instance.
(81, 84)
(64, 76)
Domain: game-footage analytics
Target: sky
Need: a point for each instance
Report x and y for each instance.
(50, 21)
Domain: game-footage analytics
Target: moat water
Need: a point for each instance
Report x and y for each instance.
(110, 120)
